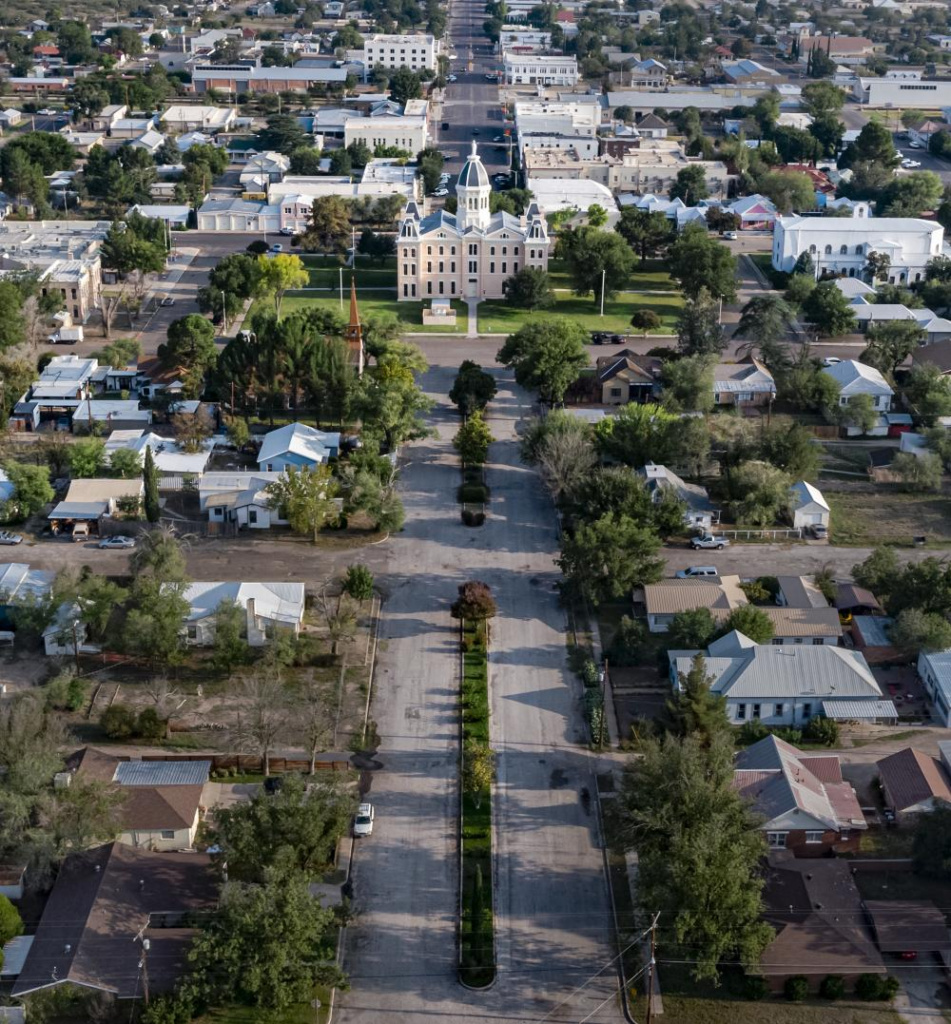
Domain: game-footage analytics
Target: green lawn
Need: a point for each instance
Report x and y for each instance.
(325, 272)
(299, 1014)
(373, 303)
(648, 276)
(498, 318)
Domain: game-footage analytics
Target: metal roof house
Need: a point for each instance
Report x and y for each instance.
(268, 607)
(297, 445)
(808, 507)
(746, 383)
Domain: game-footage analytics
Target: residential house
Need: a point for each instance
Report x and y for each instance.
(66, 636)
(103, 900)
(240, 499)
(781, 684)
(913, 783)
(922, 132)
(756, 212)
(89, 501)
(151, 141)
(934, 670)
(871, 634)
(269, 608)
(95, 414)
(743, 384)
(661, 481)
(661, 601)
(627, 377)
(799, 592)
(10, 118)
(803, 802)
(107, 117)
(855, 378)
(297, 445)
(181, 118)
(174, 465)
(871, 314)
(817, 913)
(60, 389)
(808, 507)
(854, 288)
(811, 625)
(650, 126)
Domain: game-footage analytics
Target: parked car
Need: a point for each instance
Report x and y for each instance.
(490, 78)
(475, 131)
(709, 540)
(287, 232)
(168, 301)
(452, 78)
(10, 538)
(117, 542)
(908, 163)
(820, 531)
(915, 144)
(697, 570)
(440, 192)
(599, 337)
(831, 360)
(731, 235)
(277, 247)
(363, 822)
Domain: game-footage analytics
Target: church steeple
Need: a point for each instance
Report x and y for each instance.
(354, 332)
(473, 190)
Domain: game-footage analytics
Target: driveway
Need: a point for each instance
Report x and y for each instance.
(552, 910)
(924, 992)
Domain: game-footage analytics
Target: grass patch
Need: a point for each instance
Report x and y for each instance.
(763, 261)
(888, 737)
(301, 1013)
(477, 966)
(648, 276)
(881, 515)
(372, 303)
(887, 843)
(495, 317)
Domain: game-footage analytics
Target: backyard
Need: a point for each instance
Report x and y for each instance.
(865, 514)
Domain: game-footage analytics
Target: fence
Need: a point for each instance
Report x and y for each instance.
(253, 764)
(794, 531)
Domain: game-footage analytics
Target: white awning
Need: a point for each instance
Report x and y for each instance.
(862, 710)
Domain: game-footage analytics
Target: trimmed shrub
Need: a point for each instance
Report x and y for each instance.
(888, 988)
(149, 725)
(473, 494)
(796, 988)
(832, 987)
(470, 518)
(755, 987)
(118, 722)
(869, 987)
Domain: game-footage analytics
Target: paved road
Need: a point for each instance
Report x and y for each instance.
(553, 915)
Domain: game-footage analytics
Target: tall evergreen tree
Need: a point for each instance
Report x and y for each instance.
(150, 480)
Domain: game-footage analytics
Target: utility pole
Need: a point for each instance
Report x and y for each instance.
(650, 971)
(144, 959)
(603, 275)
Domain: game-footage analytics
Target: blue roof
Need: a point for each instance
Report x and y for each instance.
(162, 773)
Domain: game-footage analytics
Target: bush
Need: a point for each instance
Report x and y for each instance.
(626, 647)
(822, 730)
(149, 726)
(258, 248)
(796, 988)
(118, 722)
(751, 732)
(475, 602)
(470, 518)
(889, 988)
(589, 673)
(65, 693)
(793, 736)
(870, 987)
(755, 987)
(473, 494)
(832, 987)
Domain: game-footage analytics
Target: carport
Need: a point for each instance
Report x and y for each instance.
(860, 711)
(909, 927)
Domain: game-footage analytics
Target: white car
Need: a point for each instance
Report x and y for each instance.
(730, 235)
(7, 538)
(363, 822)
(915, 144)
(452, 78)
(709, 540)
(440, 192)
(117, 542)
(168, 301)
(48, 112)
(831, 360)
(910, 163)
(287, 232)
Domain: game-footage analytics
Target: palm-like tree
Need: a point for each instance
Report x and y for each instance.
(764, 321)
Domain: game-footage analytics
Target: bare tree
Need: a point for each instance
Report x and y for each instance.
(312, 717)
(264, 715)
(566, 459)
(339, 617)
(163, 695)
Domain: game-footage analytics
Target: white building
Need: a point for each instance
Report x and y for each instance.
(539, 69)
(405, 132)
(906, 93)
(416, 52)
(855, 378)
(934, 670)
(841, 245)
(808, 507)
(469, 253)
(581, 116)
(181, 118)
(268, 608)
(240, 499)
(523, 40)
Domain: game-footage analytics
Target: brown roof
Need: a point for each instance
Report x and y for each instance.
(150, 808)
(645, 367)
(805, 622)
(906, 926)
(93, 765)
(837, 44)
(938, 354)
(910, 777)
(101, 900)
(671, 596)
(817, 911)
(849, 596)
(825, 767)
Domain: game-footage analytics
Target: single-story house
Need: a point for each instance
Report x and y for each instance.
(913, 782)
(88, 501)
(19, 583)
(756, 212)
(854, 288)
(66, 635)
(173, 464)
(808, 507)
(871, 314)
(102, 900)
(660, 481)
(934, 670)
(10, 117)
(804, 625)
(240, 498)
(870, 634)
(817, 912)
(909, 926)
(297, 445)
(662, 601)
(627, 377)
(112, 414)
(787, 684)
(746, 383)
(802, 799)
(799, 592)
(269, 607)
(855, 378)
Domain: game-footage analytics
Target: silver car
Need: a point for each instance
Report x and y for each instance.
(10, 538)
(117, 542)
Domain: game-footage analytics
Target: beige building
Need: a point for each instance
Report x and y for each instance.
(404, 132)
(416, 52)
(471, 253)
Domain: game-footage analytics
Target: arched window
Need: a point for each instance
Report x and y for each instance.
(828, 250)
(858, 250)
(843, 250)
(812, 250)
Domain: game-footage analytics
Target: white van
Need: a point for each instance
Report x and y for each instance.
(697, 570)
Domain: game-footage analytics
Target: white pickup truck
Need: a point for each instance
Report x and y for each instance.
(708, 540)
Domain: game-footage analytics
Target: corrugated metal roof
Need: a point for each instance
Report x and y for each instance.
(804, 622)
(162, 773)
(671, 596)
(864, 710)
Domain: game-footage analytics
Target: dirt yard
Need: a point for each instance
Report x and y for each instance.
(869, 514)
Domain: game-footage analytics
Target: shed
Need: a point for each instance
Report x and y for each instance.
(870, 634)
(913, 782)
(908, 926)
(808, 507)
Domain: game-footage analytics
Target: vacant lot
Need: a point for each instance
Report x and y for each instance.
(687, 1010)
(864, 514)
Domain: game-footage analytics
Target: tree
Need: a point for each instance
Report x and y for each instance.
(190, 351)
(828, 310)
(644, 231)
(405, 85)
(696, 710)
(117, 722)
(890, 344)
(750, 621)
(699, 850)
(279, 274)
(358, 583)
(760, 493)
(564, 452)
(283, 133)
(872, 158)
(329, 227)
(688, 383)
(294, 828)
(530, 289)
(691, 630)
(914, 631)
(547, 356)
(931, 844)
(765, 321)
(478, 770)
(72, 819)
(230, 640)
(645, 321)
(158, 558)
(918, 472)
(698, 327)
(472, 440)
(304, 497)
(789, 190)
(376, 245)
(911, 195)
(74, 41)
(266, 946)
(11, 924)
(607, 558)
(388, 399)
(150, 480)
(929, 392)
(87, 457)
(475, 602)
(430, 163)
(12, 326)
(31, 489)
(360, 153)
(822, 99)
(597, 215)
(699, 262)
(691, 185)
(472, 389)
(596, 259)
(859, 412)
(153, 626)
(341, 163)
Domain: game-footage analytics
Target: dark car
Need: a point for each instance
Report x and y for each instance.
(445, 126)
(598, 337)
(616, 339)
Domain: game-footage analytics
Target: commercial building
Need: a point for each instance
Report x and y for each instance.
(469, 253)
(240, 78)
(581, 116)
(840, 245)
(538, 69)
(409, 132)
(181, 118)
(904, 93)
(416, 52)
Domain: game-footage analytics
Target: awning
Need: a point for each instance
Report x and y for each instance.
(864, 710)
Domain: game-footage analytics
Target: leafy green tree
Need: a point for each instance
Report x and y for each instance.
(547, 356)
(696, 710)
(22, 178)
(822, 99)
(329, 227)
(699, 262)
(430, 163)
(190, 351)
(358, 583)
(304, 497)
(230, 640)
(859, 412)
(87, 457)
(750, 621)
(117, 722)
(158, 558)
(691, 630)
(688, 383)
(150, 480)
(789, 190)
(596, 258)
(931, 843)
(388, 400)
(918, 472)
(597, 215)
(698, 327)
(644, 231)
(890, 344)
(530, 289)
(11, 924)
(74, 41)
(267, 945)
(691, 185)
(910, 195)
(699, 850)
(405, 85)
(799, 287)
(472, 440)
(828, 310)
(914, 631)
(607, 558)
(645, 321)
(341, 163)
(759, 493)
(283, 133)
(472, 389)
(280, 274)
(872, 158)
(929, 392)
(31, 489)
(764, 322)
(12, 324)
(639, 434)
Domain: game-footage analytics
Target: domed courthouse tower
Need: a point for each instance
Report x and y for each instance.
(468, 254)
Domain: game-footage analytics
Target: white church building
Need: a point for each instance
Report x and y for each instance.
(471, 253)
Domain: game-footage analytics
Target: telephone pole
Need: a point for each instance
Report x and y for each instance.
(650, 971)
